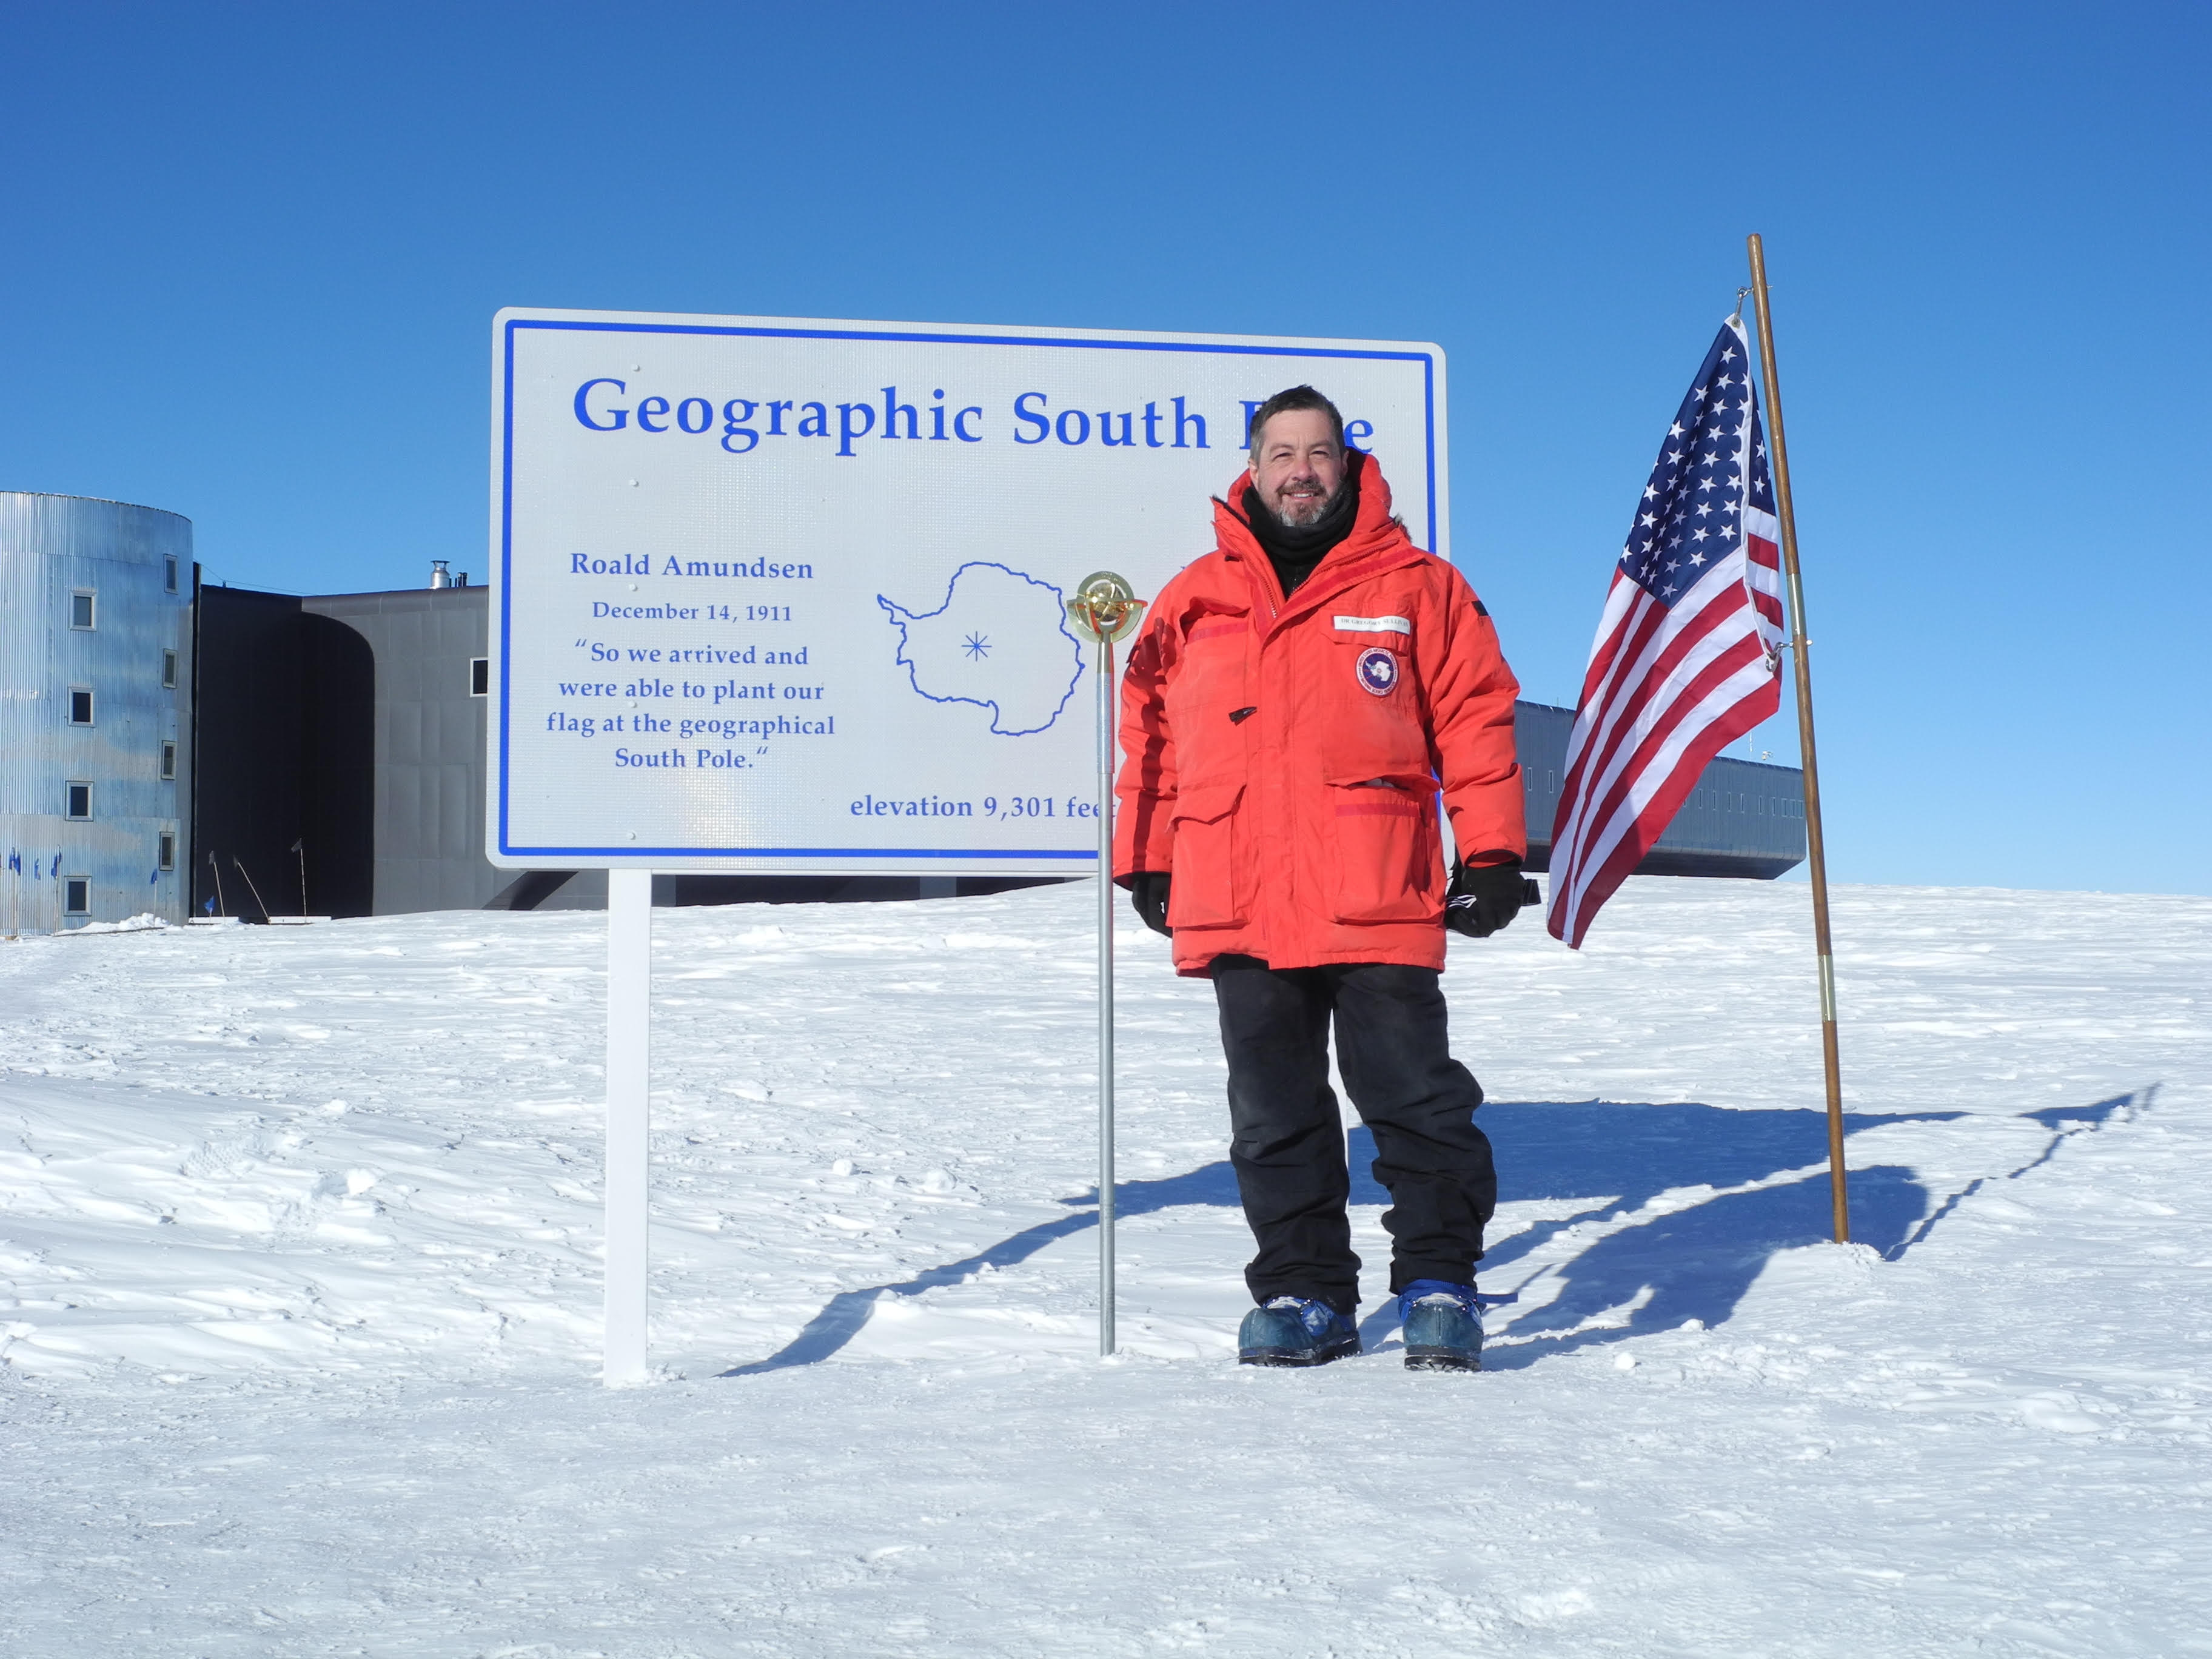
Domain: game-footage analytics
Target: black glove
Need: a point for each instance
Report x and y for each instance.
(1485, 897)
(1148, 893)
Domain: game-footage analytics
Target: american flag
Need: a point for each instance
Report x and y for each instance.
(1687, 654)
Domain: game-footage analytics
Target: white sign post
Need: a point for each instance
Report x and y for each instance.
(786, 596)
(629, 1070)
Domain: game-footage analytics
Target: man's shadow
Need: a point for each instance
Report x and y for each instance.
(1696, 1263)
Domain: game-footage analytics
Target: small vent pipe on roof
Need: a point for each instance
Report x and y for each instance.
(440, 576)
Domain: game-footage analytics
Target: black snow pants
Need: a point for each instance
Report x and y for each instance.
(1287, 1138)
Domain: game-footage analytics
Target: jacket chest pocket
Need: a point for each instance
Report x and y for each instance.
(1389, 859)
(1210, 684)
(1373, 726)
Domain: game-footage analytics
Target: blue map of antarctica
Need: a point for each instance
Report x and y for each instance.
(1001, 641)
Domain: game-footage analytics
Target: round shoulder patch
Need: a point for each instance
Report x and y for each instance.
(1377, 671)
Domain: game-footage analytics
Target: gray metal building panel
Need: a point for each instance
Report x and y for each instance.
(53, 548)
(402, 720)
(459, 834)
(428, 828)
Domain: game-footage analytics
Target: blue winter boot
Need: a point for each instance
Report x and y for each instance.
(1292, 1331)
(1443, 1326)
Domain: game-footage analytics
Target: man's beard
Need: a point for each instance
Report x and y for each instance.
(1303, 512)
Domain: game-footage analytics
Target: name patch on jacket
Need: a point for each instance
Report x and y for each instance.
(1373, 625)
(1376, 671)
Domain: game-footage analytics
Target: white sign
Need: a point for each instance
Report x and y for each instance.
(781, 596)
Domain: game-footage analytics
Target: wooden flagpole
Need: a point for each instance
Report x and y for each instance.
(1815, 846)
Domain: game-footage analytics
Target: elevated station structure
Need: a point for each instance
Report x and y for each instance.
(353, 724)
(179, 748)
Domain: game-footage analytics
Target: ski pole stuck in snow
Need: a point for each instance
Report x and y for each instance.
(629, 1084)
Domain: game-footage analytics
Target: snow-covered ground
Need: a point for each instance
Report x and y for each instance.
(299, 1298)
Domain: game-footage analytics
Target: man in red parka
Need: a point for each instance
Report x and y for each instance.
(1295, 703)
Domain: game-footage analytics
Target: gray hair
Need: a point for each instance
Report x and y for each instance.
(1296, 397)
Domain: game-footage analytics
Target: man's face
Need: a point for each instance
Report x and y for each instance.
(1298, 465)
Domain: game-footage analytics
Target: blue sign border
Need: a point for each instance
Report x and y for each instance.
(910, 336)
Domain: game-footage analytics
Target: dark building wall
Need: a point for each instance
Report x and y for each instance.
(249, 737)
(345, 723)
(338, 680)
(426, 735)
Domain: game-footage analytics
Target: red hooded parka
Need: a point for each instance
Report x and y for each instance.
(1281, 758)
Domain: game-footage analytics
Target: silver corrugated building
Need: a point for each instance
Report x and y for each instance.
(95, 711)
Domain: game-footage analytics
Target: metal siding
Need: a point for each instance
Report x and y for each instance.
(429, 743)
(50, 547)
(399, 717)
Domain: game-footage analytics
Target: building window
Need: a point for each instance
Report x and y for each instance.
(165, 846)
(81, 604)
(80, 705)
(79, 800)
(169, 573)
(76, 895)
(168, 670)
(168, 761)
(479, 676)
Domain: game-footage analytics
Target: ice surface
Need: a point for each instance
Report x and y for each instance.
(299, 1297)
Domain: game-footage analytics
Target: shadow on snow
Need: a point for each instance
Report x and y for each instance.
(840, 1321)
(1694, 1262)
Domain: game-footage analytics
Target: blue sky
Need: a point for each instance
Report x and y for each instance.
(254, 252)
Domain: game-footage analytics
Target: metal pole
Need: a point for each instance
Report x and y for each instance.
(250, 887)
(629, 1012)
(1105, 994)
(1103, 610)
(1815, 844)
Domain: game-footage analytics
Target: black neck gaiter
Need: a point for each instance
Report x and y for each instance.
(1296, 551)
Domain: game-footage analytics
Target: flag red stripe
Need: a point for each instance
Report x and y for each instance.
(1619, 717)
(1601, 884)
(1733, 657)
(1643, 617)
(1597, 826)
(1614, 854)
